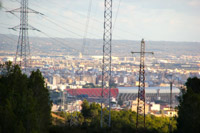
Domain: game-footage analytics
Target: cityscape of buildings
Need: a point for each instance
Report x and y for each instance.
(75, 72)
(145, 78)
(72, 77)
(64, 73)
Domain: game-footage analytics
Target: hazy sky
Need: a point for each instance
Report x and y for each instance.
(166, 20)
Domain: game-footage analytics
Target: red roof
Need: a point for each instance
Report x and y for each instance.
(93, 92)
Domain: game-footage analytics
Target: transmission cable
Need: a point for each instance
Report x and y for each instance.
(60, 42)
(116, 14)
(86, 27)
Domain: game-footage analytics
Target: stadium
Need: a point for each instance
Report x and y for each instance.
(125, 93)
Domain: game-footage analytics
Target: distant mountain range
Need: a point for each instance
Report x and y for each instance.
(65, 46)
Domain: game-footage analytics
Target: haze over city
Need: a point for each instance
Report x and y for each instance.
(99, 66)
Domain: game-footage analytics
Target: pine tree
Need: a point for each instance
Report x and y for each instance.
(189, 114)
(24, 102)
(43, 104)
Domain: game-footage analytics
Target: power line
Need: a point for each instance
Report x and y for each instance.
(93, 19)
(61, 23)
(52, 11)
(6, 9)
(86, 27)
(56, 39)
(96, 20)
(5, 24)
(51, 21)
(116, 14)
(55, 23)
(60, 42)
(9, 37)
(78, 13)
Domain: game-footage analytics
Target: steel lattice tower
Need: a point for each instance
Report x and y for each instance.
(171, 79)
(140, 120)
(73, 112)
(23, 56)
(106, 67)
(141, 89)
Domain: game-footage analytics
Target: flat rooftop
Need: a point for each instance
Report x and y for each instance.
(148, 90)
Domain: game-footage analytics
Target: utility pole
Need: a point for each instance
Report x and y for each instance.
(171, 81)
(141, 87)
(63, 101)
(73, 112)
(107, 58)
(23, 47)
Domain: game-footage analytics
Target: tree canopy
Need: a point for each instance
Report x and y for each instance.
(25, 105)
(189, 108)
(122, 121)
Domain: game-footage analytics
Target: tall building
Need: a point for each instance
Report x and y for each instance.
(56, 79)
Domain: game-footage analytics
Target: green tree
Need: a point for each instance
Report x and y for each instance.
(19, 105)
(89, 85)
(120, 102)
(85, 108)
(42, 99)
(189, 114)
(121, 121)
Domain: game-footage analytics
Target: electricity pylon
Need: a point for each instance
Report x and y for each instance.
(171, 79)
(106, 67)
(73, 112)
(23, 56)
(141, 87)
